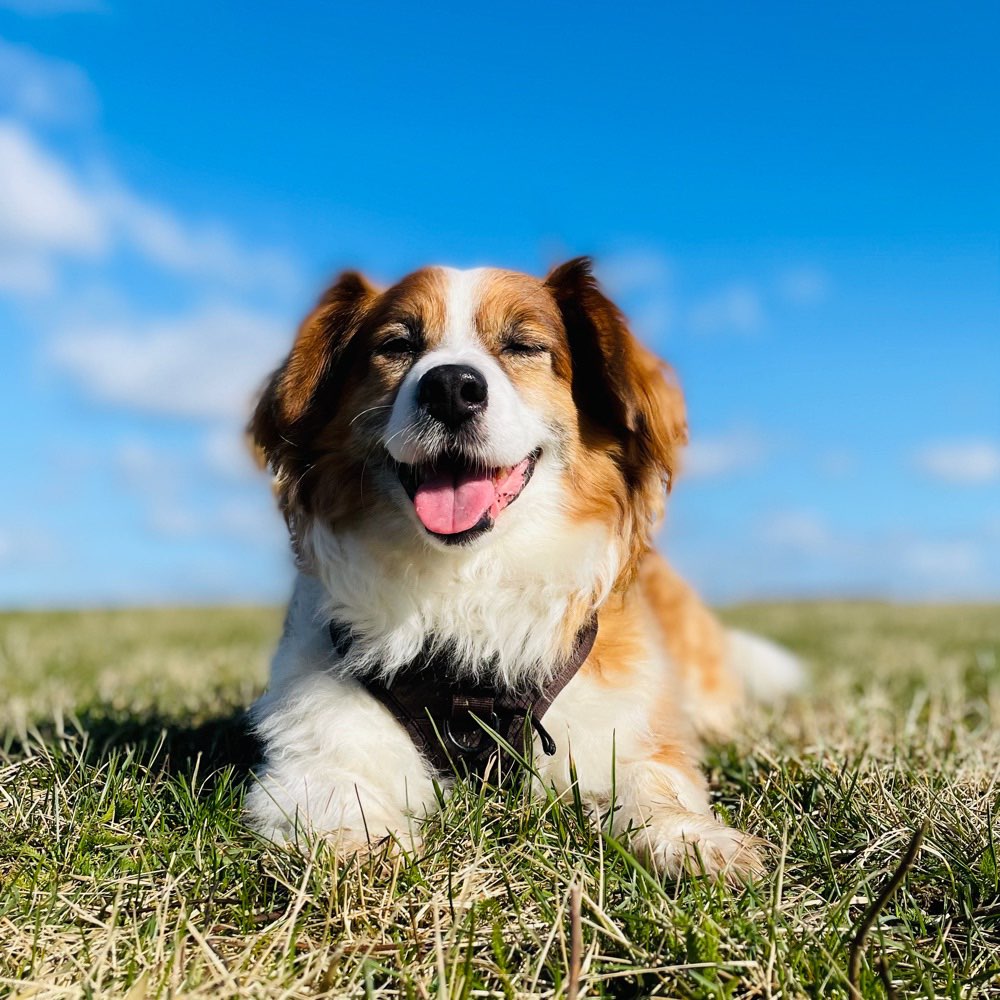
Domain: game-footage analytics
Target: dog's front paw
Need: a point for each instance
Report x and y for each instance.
(345, 844)
(674, 842)
(289, 824)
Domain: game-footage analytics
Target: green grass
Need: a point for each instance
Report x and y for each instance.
(125, 870)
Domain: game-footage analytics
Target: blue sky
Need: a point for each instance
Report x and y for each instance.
(797, 206)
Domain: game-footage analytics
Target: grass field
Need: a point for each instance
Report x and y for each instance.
(125, 871)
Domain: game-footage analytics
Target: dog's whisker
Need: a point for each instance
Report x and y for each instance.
(371, 409)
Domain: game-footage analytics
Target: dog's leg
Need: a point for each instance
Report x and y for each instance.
(336, 765)
(336, 762)
(662, 801)
(630, 751)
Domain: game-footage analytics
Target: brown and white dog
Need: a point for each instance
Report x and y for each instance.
(478, 459)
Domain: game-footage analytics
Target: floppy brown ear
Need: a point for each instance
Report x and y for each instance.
(617, 382)
(303, 392)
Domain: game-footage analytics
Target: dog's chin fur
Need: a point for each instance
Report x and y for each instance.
(569, 386)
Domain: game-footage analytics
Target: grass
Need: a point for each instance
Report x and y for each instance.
(125, 870)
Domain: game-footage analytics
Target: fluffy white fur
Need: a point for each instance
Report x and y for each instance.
(768, 671)
(503, 603)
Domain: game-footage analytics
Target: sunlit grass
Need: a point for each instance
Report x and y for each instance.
(125, 870)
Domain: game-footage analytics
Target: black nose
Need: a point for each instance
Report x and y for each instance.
(452, 393)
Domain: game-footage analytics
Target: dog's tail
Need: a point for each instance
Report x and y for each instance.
(769, 671)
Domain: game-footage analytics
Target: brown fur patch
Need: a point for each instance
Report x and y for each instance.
(333, 374)
(632, 420)
(290, 412)
(418, 302)
(517, 306)
(670, 749)
(692, 634)
(620, 643)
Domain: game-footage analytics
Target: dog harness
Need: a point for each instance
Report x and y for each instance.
(453, 722)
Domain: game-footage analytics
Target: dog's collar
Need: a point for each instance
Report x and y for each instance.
(448, 720)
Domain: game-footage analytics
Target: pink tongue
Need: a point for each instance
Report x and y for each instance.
(448, 503)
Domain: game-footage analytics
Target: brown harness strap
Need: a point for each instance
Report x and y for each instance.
(449, 720)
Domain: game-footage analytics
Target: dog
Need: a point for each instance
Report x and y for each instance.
(472, 465)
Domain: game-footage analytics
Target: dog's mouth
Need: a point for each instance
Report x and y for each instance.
(457, 500)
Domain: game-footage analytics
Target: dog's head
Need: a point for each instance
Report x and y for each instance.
(458, 408)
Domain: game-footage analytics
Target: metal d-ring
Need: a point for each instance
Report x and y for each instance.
(464, 747)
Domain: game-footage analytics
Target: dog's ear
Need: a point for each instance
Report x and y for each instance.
(303, 392)
(618, 383)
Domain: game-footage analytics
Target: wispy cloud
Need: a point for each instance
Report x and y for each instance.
(641, 282)
(250, 520)
(25, 547)
(737, 308)
(715, 456)
(43, 207)
(807, 552)
(204, 250)
(226, 453)
(837, 463)
(172, 487)
(644, 282)
(55, 206)
(49, 211)
(24, 274)
(70, 227)
(944, 562)
(961, 463)
(799, 530)
(804, 286)
(204, 365)
(40, 88)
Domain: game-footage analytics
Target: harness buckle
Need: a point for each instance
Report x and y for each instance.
(469, 739)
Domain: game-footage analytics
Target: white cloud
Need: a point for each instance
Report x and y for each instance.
(804, 286)
(25, 547)
(734, 309)
(716, 456)
(43, 207)
(801, 531)
(640, 281)
(186, 494)
(838, 463)
(962, 463)
(221, 455)
(206, 250)
(251, 522)
(41, 88)
(226, 453)
(51, 207)
(947, 562)
(26, 274)
(48, 211)
(807, 552)
(206, 365)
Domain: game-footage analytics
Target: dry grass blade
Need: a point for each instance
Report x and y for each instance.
(575, 942)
